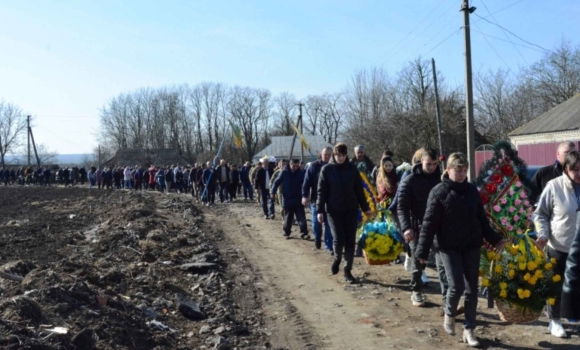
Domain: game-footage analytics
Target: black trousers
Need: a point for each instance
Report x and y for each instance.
(343, 227)
(289, 213)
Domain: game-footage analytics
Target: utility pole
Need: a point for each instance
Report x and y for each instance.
(28, 129)
(302, 132)
(438, 109)
(469, 90)
(99, 157)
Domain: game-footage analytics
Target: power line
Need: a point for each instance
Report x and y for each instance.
(59, 137)
(504, 33)
(417, 26)
(500, 39)
(512, 33)
(66, 117)
(503, 8)
(444, 40)
(494, 50)
(423, 31)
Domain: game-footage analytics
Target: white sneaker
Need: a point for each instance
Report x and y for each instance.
(407, 263)
(469, 338)
(449, 325)
(424, 278)
(557, 329)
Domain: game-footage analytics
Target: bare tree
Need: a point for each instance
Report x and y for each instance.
(12, 127)
(285, 109)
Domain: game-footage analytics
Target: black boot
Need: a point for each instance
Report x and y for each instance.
(335, 266)
(317, 244)
(348, 277)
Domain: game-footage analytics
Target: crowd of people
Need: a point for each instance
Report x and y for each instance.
(437, 212)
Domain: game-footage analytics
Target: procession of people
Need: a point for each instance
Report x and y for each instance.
(438, 213)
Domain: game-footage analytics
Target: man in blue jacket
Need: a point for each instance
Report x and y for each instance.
(246, 183)
(291, 181)
(309, 196)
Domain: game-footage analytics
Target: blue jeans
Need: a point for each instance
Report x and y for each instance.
(248, 191)
(317, 228)
(224, 191)
(127, 184)
(265, 200)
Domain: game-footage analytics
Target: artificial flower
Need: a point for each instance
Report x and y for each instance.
(527, 293)
(507, 170)
(521, 293)
(497, 178)
(503, 201)
(484, 198)
(511, 273)
(496, 208)
(518, 184)
(490, 255)
(533, 281)
(556, 278)
(521, 259)
(491, 188)
(548, 266)
(485, 282)
(518, 202)
(532, 266)
(511, 266)
(503, 285)
(498, 269)
(503, 293)
(553, 260)
(551, 301)
(527, 277)
(513, 251)
(522, 266)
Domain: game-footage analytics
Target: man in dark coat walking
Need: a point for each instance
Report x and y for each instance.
(550, 172)
(263, 176)
(412, 203)
(291, 181)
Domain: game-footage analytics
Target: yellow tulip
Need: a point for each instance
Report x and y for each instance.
(556, 278)
(532, 266)
(532, 281)
(522, 266)
(503, 285)
(511, 266)
(503, 293)
(485, 282)
(527, 293)
(490, 255)
(551, 301)
(548, 266)
(521, 293)
(511, 273)
(527, 276)
(521, 259)
(498, 269)
(539, 274)
(513, 250)
(553, 260)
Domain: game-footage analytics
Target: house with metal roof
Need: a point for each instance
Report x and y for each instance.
(538, 140)
(280, 148)
(146, 157)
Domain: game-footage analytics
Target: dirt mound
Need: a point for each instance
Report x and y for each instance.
(107, 272)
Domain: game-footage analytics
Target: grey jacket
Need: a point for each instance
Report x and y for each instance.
(555, 215)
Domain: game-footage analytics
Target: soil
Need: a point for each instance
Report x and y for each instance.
(125, 270)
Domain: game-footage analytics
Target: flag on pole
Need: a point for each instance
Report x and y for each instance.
(302, 138)
(237, 134)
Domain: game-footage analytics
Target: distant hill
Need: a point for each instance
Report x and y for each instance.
(62, 159)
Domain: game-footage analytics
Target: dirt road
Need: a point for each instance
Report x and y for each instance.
(309, 308)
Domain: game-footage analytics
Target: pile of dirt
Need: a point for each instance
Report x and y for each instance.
(120, 270)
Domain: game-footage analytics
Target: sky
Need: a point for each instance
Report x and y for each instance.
(62, 61)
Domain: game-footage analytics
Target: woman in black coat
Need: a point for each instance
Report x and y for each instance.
(340, 193)
(570, 304)
(456, 215)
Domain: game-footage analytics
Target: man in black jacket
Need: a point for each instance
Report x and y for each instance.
(263, 185)
(291, 180)
(222, 172)
(412, 202)
(310, 195)
(550, 172)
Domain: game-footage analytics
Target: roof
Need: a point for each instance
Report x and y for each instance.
(280, 146)
(146, 157)
(563, 117)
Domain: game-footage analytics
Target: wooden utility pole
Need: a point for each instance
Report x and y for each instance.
(469, 90)
(28, 133)
(31, 137)
(301, 131)
(438, 110)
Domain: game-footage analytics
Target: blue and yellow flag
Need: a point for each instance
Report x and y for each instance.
(302, 138)
(237, 134)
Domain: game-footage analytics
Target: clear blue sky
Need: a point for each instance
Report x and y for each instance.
(61, 61)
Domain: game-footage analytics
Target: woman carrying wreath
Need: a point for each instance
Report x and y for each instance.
(555, 222)
(340, 193)
(456, 216)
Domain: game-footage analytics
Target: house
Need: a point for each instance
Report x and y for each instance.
(538, 140)
(146, 158)
(280, 148)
